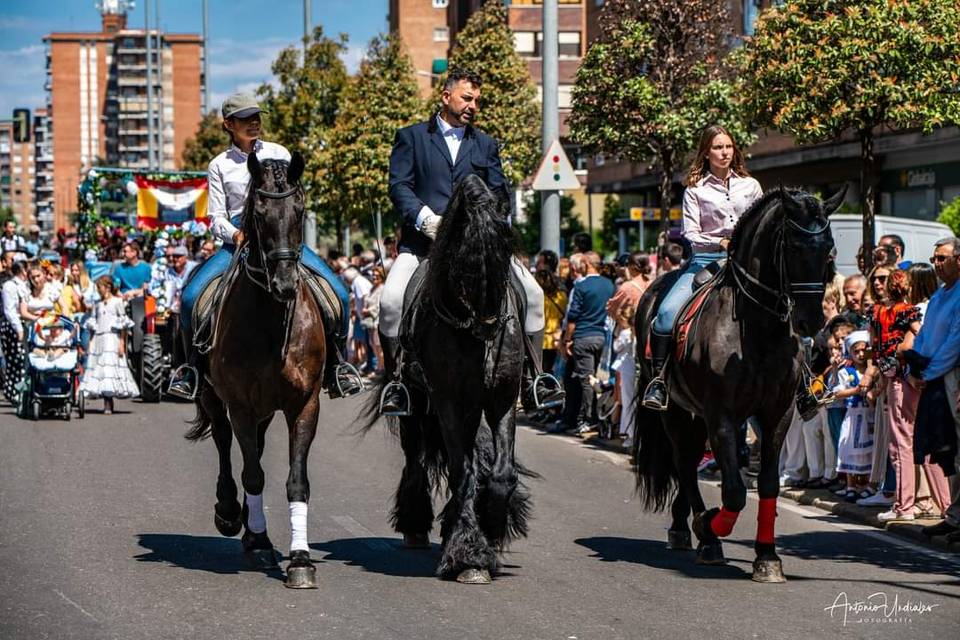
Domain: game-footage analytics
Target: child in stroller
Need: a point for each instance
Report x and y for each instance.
(53, 368)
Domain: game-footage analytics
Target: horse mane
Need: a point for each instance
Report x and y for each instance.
(278, 170)
(471, 255)
(756, 211)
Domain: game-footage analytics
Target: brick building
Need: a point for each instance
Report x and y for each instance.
(97, 84)
(16, 175)
(422, 24)
(43, 169)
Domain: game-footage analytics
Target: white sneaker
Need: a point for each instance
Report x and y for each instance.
(889, 516)
(876, 500)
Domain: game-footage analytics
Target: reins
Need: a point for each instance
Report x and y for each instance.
(784, 296)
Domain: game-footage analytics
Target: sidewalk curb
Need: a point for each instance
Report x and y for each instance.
(821, 499)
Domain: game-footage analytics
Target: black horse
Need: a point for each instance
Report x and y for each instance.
(743, 358)
(267, 355)
(463, 342)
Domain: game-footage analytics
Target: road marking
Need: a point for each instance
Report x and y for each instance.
(75, 605)
(371, 540)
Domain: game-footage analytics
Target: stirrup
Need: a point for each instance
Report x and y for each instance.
(176, 392)
(655, 405)
(395, 385)
(350, 372)
(552, 384)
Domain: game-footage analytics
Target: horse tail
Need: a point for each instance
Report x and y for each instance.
(370, 411)
(201, 426)
(654, 469)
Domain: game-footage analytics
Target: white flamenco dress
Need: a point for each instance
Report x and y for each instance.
(106, 374)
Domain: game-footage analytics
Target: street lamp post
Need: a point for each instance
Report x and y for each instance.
(310, 221)
(150, 132)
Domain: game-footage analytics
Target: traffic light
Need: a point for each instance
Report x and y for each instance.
(21, 125)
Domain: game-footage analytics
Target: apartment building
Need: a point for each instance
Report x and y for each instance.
(43, 170)
(16, 174)
(98, 100)
(422, 24)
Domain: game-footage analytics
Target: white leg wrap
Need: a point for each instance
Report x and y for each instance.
(256, 521)
(298, 526)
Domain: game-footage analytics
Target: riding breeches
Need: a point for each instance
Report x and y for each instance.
(681, 291)
(218, 263)
(391, 301)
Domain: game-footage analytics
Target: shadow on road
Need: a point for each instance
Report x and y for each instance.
(213, 554)
(381, 555)
(654, 553)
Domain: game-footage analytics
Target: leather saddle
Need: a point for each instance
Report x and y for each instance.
(704, 282)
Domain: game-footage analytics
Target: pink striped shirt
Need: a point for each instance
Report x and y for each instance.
(711, 209)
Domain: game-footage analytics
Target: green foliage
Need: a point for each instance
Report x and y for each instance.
(950, 215)
(209, 141)
(608, 228)
(653, 80)
(509, 110)
(357, 160)
(816, 68)
(528, 231)
(302, 111)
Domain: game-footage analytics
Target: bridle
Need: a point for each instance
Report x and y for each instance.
(278, 254)
(783, 296)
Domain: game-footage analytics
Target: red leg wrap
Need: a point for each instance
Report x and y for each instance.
(722, 523)
(765, 518)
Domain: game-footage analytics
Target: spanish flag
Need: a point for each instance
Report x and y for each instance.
(161, 202)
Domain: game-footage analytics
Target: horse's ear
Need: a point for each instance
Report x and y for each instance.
(295, 170)
(833, 203)
(255, 169)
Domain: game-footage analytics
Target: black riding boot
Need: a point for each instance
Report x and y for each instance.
(342, 378)
(655, 397)
(540, 390)
(183, 381)
(395, 398)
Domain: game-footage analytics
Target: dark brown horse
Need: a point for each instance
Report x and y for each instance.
(744, 359)
(267, 355)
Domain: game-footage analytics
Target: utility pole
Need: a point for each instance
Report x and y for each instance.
(206, 55)
(161, 96)
(146, 29)
(550, 200)
(310, 221)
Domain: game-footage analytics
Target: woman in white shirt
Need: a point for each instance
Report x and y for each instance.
(719, 190)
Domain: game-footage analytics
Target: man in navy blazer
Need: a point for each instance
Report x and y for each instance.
(427, 160)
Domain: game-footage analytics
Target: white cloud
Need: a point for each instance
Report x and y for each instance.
(352, 57)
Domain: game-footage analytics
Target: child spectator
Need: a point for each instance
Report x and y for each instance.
(855, 451)
(107, 375)
(625, 367)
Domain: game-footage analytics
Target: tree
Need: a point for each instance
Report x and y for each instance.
(209, 140)
(612, 211)
(818, 68)
(652, 81)
(950, 215)
(528, 231)
(302, 111)
(509, 109)
(358, 156)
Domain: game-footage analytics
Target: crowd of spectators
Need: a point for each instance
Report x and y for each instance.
(886, 361)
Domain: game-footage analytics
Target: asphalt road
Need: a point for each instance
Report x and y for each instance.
(106, 531)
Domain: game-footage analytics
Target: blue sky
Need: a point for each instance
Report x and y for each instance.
(245, 37)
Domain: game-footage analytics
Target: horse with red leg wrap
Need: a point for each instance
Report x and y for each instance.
(741, 357)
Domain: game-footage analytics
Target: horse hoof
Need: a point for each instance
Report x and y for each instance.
(679, 540)
(711, 554)
(768, 571)
(474, 576)
(301, 577)
(228, 528)
(416, 541)
(262, 558)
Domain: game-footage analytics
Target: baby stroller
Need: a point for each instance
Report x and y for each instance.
(52, 379)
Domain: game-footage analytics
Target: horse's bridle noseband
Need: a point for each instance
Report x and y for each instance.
(783, 307)
(279, 254)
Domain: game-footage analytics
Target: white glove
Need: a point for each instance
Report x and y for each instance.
(430, 225)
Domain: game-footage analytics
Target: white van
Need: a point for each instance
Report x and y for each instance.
(919, 236)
